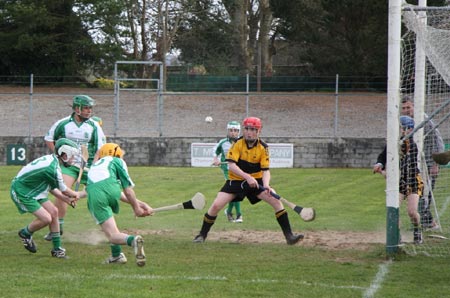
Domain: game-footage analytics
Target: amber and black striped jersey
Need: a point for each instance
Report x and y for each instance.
(410, 180)
(250, 160)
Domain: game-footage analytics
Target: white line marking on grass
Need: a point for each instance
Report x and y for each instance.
(379, 278)
(223, 278)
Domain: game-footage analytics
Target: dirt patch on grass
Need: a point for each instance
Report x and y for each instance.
(330, 240)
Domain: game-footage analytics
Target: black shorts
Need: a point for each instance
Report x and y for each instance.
(416, 186)
(241, 190)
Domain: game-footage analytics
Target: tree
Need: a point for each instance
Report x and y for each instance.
(143, 30)
(237, 33)
(348, 37)
(206, 38)
(44, 38)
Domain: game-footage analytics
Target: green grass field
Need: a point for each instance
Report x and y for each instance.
(346, 200)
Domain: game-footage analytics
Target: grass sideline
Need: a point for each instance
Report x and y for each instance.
(345, 199)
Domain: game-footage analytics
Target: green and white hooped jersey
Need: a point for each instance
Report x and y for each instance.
(87, 133)
(109, 170)
(38, 177)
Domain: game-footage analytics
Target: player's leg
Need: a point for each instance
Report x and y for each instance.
(229, 212)
(43, 218)
(69, 177)
(25, 205)
(413, 213)
(282, 217)
(61, 205)
(58, 251)
(109, 227)
(117, 238)
(210, 216)
(103, 216)
(237, 207)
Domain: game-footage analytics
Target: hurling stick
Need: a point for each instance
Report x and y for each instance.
(221, 163)
(307, 214)
(437, 237)
(198, 202)
(84, 157)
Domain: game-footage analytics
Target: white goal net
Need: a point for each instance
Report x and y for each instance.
(426, 34)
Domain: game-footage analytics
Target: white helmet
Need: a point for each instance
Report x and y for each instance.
(234, 124)
(69, 147)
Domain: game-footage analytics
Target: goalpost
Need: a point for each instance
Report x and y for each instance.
(421, 59)
(120, 78)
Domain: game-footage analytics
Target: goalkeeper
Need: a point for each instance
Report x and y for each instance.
(220, 151)
(411, 184)
(433, 143)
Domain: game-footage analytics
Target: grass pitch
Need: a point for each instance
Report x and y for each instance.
(346, 200)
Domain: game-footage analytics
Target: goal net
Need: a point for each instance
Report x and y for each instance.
(425, 80)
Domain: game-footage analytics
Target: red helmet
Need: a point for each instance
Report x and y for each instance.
(252, 122)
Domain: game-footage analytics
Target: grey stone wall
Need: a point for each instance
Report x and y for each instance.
(308, 152)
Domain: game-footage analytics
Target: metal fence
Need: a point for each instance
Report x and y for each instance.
(31, 110)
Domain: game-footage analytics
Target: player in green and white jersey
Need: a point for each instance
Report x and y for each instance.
(108, 183)
(29, 191)
(80, 128)
(98, 120)
(220, 151)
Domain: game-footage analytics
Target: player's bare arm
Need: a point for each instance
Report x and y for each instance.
(64, 196)
(266, 179)
(133, 201)
(50, 145)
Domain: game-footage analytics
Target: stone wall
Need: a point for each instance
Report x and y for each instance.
(308, 152)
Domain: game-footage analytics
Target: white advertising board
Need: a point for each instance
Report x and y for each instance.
(281, 155)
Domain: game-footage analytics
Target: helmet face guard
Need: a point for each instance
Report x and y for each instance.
(67, 150)
(233, 130)
(234, 125)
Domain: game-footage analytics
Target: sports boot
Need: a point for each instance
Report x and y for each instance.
(229, 216)
(199, 239)
(283, 220)
(28, 243)
(120, 259)
(418, 239)
(293, 239)
(59, 253)
(138, 244)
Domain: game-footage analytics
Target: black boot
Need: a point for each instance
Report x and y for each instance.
(208, 221)
(292, 239)
(283, 221)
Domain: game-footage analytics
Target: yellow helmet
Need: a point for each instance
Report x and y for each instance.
(111, 149)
